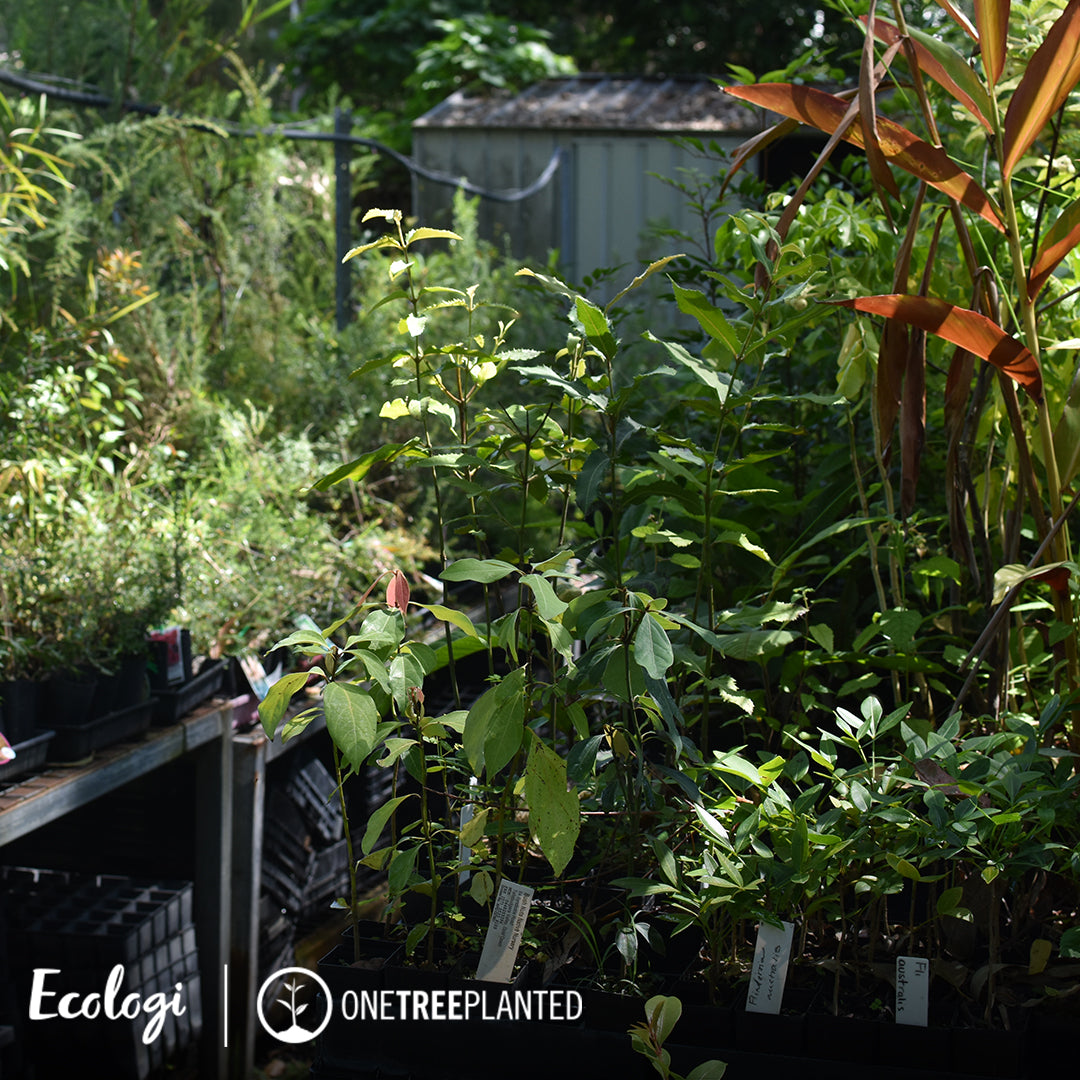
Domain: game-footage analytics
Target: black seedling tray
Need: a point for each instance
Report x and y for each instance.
(173, 703)
(29, 757)
(74, 742)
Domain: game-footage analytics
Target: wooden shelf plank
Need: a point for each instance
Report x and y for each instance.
(51, 794)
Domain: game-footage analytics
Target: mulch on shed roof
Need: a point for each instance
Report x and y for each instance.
(623, 103)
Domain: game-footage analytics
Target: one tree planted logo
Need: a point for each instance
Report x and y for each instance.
(289, 1008)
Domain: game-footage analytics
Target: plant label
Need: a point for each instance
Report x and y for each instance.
(912, 990)
(468, 811)
(772, 954)
(504, 932)
(174, 652)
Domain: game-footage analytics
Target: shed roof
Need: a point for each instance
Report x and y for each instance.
(609, 102)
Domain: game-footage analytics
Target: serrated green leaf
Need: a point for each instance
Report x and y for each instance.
(424, 233)
(711, 318)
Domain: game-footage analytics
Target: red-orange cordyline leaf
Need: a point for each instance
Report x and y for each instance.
(942, 63)
(992, 20)
(1059, 240)
(397, 593)
(1048, 80)
(920, 158)
(893, 351)
(961, 18)
(961, 326)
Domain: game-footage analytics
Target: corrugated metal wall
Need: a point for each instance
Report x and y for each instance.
(595, 212)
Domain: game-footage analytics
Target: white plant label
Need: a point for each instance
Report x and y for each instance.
(504, 932)
(468, 811)
(772, 954)
(912, 990)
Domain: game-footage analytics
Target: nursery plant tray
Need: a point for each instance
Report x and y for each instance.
(29, 756)
(175, 702)
(76, 742)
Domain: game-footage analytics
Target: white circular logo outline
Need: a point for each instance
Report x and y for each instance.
(318, 980)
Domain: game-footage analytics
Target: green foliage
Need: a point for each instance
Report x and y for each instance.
(481, 50)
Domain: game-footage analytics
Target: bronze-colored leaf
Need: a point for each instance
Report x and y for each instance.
(913, 402)
(892, 362)
(754, 145)
(1059, 240)
(961, 326)
(957, 389)
(961, 19)
(942, 63)
(883, 179)
(992, 22)
(1057, 577)
(826, 112)
(1048, 79)
(912, 419)
(934, 776)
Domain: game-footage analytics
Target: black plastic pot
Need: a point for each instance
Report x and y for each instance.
(66, 699)
(20, 703)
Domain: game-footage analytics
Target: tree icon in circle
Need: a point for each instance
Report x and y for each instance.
(298, 1031)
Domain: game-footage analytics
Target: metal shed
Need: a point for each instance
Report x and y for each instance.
(614, 134)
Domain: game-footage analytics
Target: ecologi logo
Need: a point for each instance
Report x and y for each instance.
(293, 989)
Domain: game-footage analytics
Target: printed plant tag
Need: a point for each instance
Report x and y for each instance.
(772, 954)
(255, 674)
(912, 990)
(174, 653)
(504, 932)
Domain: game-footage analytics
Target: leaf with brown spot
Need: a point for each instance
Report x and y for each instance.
(961, 326)
(1059, 240)
(826, 112)
(992, 22)
(1048, 80)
